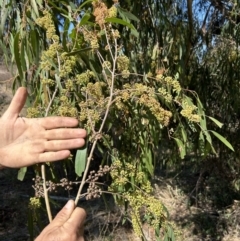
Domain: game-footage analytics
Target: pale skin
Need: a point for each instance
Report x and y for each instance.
(28, 141)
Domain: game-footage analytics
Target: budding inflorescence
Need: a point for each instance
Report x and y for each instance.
(93, 190)
(140, 199)
(51, 186)
(189, 111)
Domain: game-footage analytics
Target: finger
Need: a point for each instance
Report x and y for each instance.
(58, 145)
(63, 216)
(16, 104)
(57, 122)
(76, 221)
(52, 156)
(61, 134)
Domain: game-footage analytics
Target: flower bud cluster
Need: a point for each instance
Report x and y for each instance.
(165, 94)
(46, 22)
(123, 65)
(33, 112)
(67, 64)
(169, 81)
(51, 186)
(140, 199)
(93, 190)
(49, 82)
(65, 108)
(115, 34)
(84, 78)
(188, 112)
(90, 37)
(112, 12)
(34, 203)
(146, 97)
(106, 65)
(95, 105)
(100, 11)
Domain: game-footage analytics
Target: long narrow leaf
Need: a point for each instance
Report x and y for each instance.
(17, 55)
(35, 7)
(84, 19)
(223, 140)
(181, 147)
(218, 123)
(127, 14)
(119, 21)
(84, 3)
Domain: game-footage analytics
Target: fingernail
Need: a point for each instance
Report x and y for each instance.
(69, 204)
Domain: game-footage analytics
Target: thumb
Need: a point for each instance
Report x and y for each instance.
(17, 104)
(64, 214)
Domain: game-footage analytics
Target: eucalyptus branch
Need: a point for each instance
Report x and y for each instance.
(111, 89)
(102, 125)
(46, 198)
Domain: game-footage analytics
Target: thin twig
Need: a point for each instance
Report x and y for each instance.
(109, 46)
(51, 101)
(46, 194)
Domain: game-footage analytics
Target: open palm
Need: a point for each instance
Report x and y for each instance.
(27, 141)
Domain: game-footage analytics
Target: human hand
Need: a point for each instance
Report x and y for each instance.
(67, 225)
(27, 141)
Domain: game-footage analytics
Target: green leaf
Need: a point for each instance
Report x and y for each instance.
(17, 55)
(4, 15)
(35, 44)
(181, 147)
(201, 144)
(80, 160)
(223, 140)
(22, 55)
(84, 19)
(67, 17)
(184, 134)
(147, 160)
(126, 14)
(21, 173)
(122, 22)
(78, 51)
(50, 3)
(35, 7)
(218, 123)
(84, 3)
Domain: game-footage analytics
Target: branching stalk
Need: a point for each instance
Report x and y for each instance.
(102, 125)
